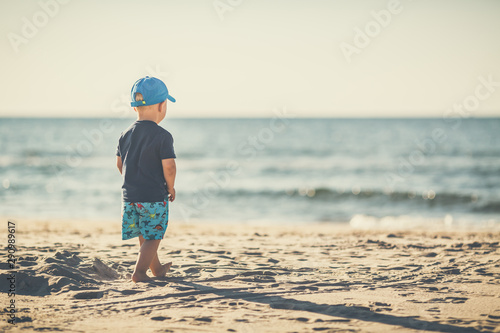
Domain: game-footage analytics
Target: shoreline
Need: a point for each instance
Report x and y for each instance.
(74, 276)
(113, 225)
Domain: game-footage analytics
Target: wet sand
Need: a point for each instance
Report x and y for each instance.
(74, 276)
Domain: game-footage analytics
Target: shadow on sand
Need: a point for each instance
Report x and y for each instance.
(342, 311)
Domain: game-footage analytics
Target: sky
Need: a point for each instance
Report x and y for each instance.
(246, 58)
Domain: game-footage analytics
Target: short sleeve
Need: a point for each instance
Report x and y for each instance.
(118, 150)
(167, 146)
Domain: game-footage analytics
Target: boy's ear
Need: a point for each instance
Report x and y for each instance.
(160, 106)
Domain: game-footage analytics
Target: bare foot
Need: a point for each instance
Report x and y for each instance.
(140, 277)
(163, 271)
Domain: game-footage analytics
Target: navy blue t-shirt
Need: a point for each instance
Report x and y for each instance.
(142, 147)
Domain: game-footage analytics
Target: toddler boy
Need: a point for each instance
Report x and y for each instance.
(146, 159)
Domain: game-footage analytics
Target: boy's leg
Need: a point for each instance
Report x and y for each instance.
(153, 222)
(147, 253)
(156, 267)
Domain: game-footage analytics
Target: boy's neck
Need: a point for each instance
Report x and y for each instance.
(150, 117)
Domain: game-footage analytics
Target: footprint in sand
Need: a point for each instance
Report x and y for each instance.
(252, 253)
(301, 319)
(213, 261)
(204, 319)
(252, 273)
(305, 288)
(214, 252)
(131, 292)
(454, 300)
(192, 270)
(181, 288)
(88, 295)
(241, 320)
(160, 318)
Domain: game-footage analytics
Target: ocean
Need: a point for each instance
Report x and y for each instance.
(366, 172)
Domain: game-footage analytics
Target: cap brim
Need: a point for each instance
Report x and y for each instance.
(171, 99)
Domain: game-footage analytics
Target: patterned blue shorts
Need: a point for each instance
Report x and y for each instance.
(149, 219)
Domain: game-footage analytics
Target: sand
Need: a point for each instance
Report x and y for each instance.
(74, 276)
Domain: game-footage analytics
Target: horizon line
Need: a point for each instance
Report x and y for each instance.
(258, 117)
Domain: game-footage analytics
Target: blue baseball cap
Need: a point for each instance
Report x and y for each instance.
(153, 91)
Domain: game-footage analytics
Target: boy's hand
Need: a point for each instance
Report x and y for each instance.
(119, 163)
(171, 194)
(169, 171)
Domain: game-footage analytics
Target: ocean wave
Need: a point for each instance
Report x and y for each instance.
(322, 193)
(443, 199)
(489, 207)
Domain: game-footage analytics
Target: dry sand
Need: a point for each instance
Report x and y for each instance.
(75, 277)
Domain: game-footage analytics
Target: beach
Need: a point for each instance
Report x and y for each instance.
(317, 166)
(74, 276)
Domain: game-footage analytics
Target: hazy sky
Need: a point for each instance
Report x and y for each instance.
(244, 58)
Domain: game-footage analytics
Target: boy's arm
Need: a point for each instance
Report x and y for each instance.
(119, 163)
(169, 171)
